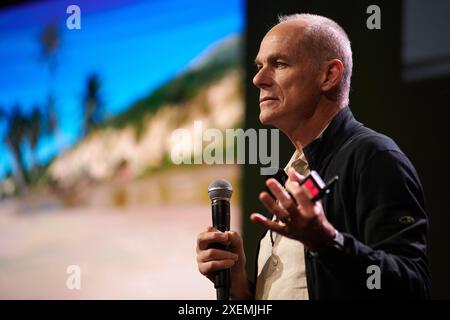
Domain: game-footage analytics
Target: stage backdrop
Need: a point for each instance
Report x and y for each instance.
(88, 108)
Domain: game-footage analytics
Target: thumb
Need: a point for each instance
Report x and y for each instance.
(294, 175)
(236, 243)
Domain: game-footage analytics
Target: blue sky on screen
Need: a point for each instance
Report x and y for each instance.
(134, 46)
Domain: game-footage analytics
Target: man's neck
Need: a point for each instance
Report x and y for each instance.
(311, 128)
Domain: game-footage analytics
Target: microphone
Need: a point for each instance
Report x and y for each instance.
(219, 192)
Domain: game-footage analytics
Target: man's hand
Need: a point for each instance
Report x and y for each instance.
(210, 260)
(302, 220)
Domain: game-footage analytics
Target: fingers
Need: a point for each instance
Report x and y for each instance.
(294, 182)
(215, 254)
(211, 235)
(282, 195)
(236, 243)
(271, 205)
(302, 219)
(269, 224)
(208, 268)
(303, 199)
(300, 193)
(210, 259)
(294, 175)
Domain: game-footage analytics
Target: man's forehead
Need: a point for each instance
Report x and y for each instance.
(292, 28)
(279, 42)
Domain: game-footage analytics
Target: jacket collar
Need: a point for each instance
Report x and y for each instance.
(341, 128)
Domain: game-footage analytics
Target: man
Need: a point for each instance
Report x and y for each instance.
(373, 221)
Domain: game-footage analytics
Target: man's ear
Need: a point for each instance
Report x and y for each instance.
(332, 75)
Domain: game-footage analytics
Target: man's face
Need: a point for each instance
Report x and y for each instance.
(288, 82)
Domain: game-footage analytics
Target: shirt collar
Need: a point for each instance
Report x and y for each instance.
(341, 127)
(298, 160)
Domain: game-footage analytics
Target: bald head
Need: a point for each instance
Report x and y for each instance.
(323, 39)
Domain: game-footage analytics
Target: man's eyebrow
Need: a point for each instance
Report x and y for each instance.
(273, 57)
(277, 56)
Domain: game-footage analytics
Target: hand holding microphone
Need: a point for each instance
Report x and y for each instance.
(220, 192)
(220, 252)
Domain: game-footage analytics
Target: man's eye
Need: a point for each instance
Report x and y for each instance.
(280, 64)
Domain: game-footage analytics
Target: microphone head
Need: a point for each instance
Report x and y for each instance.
(220, 189)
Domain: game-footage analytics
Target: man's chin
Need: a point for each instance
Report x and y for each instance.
(266, 119)
(262, 119)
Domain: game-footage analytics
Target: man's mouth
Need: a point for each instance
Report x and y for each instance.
(261, 100)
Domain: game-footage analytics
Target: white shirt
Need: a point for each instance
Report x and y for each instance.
(281, 267)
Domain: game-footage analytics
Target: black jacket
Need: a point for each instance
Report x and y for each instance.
(378, 206)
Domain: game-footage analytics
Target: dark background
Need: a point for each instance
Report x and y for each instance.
(383, 97)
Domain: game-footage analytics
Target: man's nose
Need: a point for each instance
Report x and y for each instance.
(262, 78)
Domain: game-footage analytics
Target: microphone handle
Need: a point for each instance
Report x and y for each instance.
(221, 221)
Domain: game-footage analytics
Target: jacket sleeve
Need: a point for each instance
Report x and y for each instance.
(392, 225)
